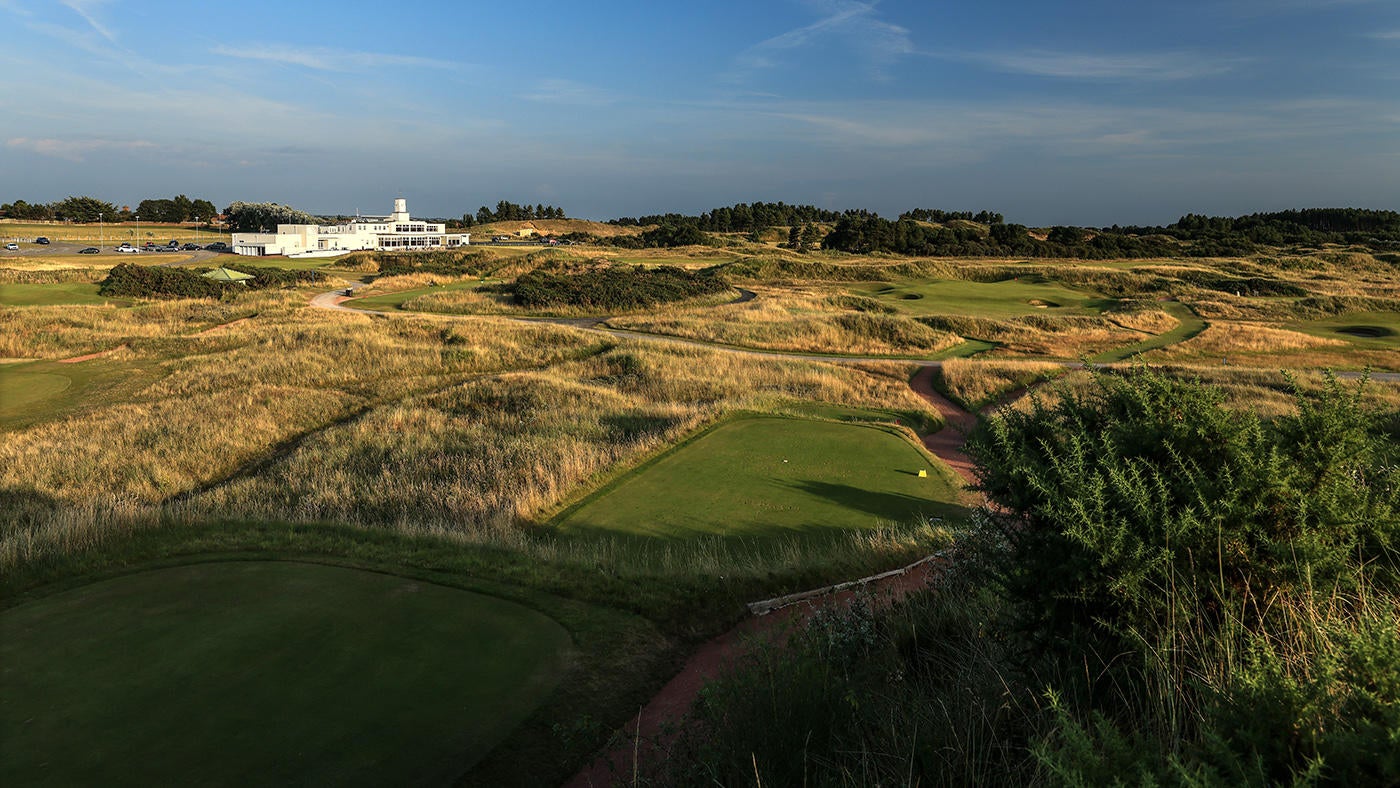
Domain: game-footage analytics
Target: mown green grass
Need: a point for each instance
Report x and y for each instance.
(387, 301)
(36, 391)
(20, 294)
(1008, 298)
(248, 672)
(1369, 330)
(769, 476)
(1191, 325)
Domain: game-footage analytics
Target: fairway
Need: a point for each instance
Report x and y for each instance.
(1191, 324)
(768, 476)
(1029, 295)
(398, 299)
(12, 294)
(250, 673)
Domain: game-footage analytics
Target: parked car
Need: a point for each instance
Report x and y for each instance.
(127, 249)
(88, 250)
(12, 247)
(191, 247)
(217, 246)
(174, 244)
(41, 240)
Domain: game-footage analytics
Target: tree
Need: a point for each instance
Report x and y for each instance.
(811, 236)
(203, 211)
(263, 216)
(84, 209)
(794, 240)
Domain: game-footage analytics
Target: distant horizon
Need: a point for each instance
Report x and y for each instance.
(1096, 114)
(221, 205)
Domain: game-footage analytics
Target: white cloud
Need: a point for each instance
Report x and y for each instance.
(1387, 35)
(566, 91)
(1160, 66)
(73, 149)
(854, 23)
(323, 59)
(87, 9)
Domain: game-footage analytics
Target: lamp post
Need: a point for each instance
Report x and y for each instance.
(99, 232)
(138, 232)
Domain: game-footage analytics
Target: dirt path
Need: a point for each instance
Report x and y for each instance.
(90, 356)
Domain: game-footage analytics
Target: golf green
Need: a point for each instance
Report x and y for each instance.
(767, 476)
(1029, 295)
(249, 673)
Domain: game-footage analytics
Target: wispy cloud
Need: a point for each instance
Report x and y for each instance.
(567, 91)
(1160, 66)
(87, 9)
(1387, 35)
(856, 24)
(73, 149)
(323, 59)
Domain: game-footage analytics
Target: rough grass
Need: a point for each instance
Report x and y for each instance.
(976, 384)
(795, 322)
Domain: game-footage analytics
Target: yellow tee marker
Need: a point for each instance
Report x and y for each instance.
(923, 474)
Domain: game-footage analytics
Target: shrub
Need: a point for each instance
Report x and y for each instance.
(614, 288)
(1145, 502)
(138, 281)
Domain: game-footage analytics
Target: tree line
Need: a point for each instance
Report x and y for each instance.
(89, 209)
(507, 211)
(1192, 235)
(742, 217)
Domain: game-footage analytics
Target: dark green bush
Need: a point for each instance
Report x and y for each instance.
(138, 281)
(614, 288)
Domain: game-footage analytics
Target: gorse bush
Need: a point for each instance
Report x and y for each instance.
(615, 287)
(139, 281)
(1147, 493)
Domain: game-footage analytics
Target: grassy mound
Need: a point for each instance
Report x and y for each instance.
(241, 672)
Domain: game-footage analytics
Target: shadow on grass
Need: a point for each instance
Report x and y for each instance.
(892, 506)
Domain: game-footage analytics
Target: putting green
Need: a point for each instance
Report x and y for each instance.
(249, 673)
(1030, 295)
(1370, 330)
(767, 476)
(22, 389)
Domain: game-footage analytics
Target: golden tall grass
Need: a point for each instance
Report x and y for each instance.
(794, 321)
(977, 383)
(466, 426)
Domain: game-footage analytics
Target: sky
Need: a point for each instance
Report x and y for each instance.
(1086, 112)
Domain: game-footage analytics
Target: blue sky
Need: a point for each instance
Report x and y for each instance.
(1084, 111)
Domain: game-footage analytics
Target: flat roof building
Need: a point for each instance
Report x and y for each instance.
(396, 232)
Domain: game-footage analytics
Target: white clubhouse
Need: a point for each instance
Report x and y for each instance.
(395, 232)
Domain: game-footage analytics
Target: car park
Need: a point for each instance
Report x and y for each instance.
(88, 250)
(41, 240)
